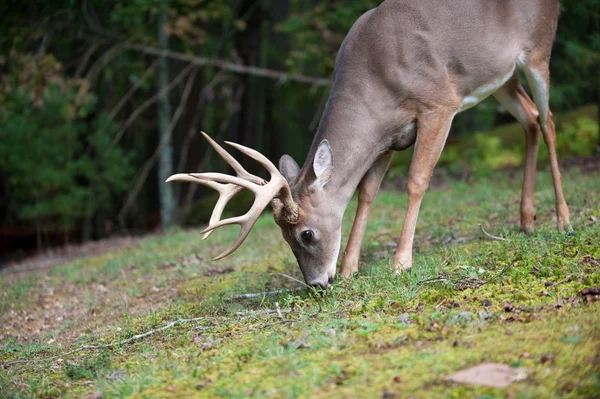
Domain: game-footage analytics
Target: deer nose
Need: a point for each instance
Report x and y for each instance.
(318, 284)
(322, 285)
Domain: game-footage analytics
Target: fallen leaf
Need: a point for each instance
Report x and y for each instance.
(590, 291)
(489, 374)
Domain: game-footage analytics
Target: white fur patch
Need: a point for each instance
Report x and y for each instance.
(333, 262)
(539, 91)
(481, 93)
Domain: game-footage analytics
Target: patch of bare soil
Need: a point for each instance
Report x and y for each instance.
(65, 254)
(65, 311)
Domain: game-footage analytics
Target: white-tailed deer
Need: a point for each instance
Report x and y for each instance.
(402, 73)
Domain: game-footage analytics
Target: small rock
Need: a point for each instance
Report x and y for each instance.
(465, 316)
(526, 355)
(544, 293)
(483, 315)
(388, 395)
(508, 307)
(405, 318)
(486, 303)
(331, 332)
(548, 357)
(457, 343)
(118, 375)
(398, 378)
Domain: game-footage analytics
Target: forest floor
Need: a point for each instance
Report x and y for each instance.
(526, 303)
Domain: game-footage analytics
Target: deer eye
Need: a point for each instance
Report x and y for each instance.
(307, 236)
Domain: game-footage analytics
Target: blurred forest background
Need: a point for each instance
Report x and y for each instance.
(101, 100)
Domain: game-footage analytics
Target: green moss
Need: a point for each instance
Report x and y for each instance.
(510, 302)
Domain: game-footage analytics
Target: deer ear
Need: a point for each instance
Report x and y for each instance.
(323, 164)
(289, 168)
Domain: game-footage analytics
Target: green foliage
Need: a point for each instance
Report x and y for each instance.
(576, 54)
(486, 152)
(578, 138)
(484, 156)
(89, 369)
(317, 33)
(56, 151)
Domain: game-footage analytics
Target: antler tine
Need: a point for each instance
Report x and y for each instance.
(257, 156)
(237, 167)
(222, 178)
(246, 222)
(276, 190)
(226, 193)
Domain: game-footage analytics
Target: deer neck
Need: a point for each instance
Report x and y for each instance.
(358, 133)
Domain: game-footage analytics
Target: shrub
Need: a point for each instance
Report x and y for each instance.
(56, 157)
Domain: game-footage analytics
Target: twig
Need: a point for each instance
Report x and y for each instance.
(266, 293)
(104, 346)
(278, 309)
(491, 236)
(145, 171)
(148, 103)
(132, 90)
(86, 58)
(228, 66)
(564, 280)
(293, 279)
(104, 60)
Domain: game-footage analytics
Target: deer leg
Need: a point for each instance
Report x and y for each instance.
(368, 187)
(539, 81)
(516, 101)
(432, 132)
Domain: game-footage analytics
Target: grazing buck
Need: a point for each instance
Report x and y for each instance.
(402, 73)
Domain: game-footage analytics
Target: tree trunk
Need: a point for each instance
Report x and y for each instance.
(248, 46)
(273, 130)
(165, 161)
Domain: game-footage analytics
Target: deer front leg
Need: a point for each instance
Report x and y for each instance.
(368, 187)
(432, 131)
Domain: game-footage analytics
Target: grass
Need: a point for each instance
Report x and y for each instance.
(468, 300)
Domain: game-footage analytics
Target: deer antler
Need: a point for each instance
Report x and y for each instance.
(277, 190)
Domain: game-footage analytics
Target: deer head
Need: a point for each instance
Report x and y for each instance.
(312, 232)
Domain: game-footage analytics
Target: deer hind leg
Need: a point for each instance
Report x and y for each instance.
(368, 187)
(516, 101)
(432, 132)
(538, 77)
